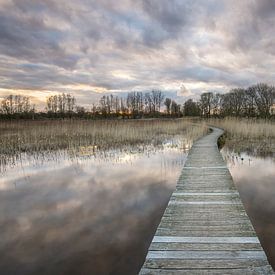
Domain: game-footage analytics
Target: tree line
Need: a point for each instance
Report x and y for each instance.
(255, 101)
(17, 106)
(137, 105)
(134, 105)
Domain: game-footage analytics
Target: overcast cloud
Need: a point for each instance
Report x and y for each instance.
(89, 47)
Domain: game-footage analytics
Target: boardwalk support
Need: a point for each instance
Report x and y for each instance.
(205, 229)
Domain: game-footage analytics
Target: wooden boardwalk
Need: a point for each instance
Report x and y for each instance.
(205, 229)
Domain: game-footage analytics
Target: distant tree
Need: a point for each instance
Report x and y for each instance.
(16, 104)
(175, 109)
(148, 103)
(206, 103)
(153, 101)
(103, 106)
(135, 103)
(117, 105)
(7, 105)
(191, 108)
(238, 101)
(70, 103)
(158, 98)
(250, 108)
(123, 109)
(140, 102)
(233, 103)
(108, 105)
(80, 111)
(61, 103)
(167, 103)
(216, 104)
(264, 98)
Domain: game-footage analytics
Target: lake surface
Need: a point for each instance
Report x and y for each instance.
(88, 213)
(255, 180)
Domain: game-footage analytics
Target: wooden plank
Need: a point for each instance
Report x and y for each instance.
(196, 233)
(263, 270)
(255, 254)
(192, 264)
(199, 222)
(167, 239)
(205, 194)
(204, 202)
(205, 246)
(205, 229)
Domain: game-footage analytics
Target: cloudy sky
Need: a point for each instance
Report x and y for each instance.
(90, 47)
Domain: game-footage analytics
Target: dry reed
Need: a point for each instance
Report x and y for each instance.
(254, 136)
(37, 136)
(247, 128)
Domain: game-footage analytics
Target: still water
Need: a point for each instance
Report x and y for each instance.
(97, 213)
(255, 180)
(86, 214)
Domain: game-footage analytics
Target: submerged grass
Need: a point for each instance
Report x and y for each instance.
(254, 136)
(37, 136)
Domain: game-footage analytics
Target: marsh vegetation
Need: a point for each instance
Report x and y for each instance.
(253, 136)
(89, 136)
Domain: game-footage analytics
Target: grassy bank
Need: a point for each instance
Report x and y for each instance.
(254, 136)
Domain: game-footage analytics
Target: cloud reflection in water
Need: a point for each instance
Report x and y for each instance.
(89, 215)
(255, 179)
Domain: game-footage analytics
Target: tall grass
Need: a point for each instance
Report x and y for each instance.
(36, 136)
(253, 136)
(246, 128)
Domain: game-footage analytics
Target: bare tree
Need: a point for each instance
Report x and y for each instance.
(62, 103)
(264, 98)
(191, 108)
(206, 103)
(233, 103)
(148, 103)
(175, 108)
(158, 98)
(153, 101)
(167, 103)
(16, 104)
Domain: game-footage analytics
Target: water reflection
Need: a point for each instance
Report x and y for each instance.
(255, 179)
(86, 214)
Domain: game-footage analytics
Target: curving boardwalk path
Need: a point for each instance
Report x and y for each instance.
(205, 229)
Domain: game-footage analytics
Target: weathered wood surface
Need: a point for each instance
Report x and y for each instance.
(205, 229)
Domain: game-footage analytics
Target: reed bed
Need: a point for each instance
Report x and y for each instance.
(38, 136)
(247, 128)
(254, 136)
